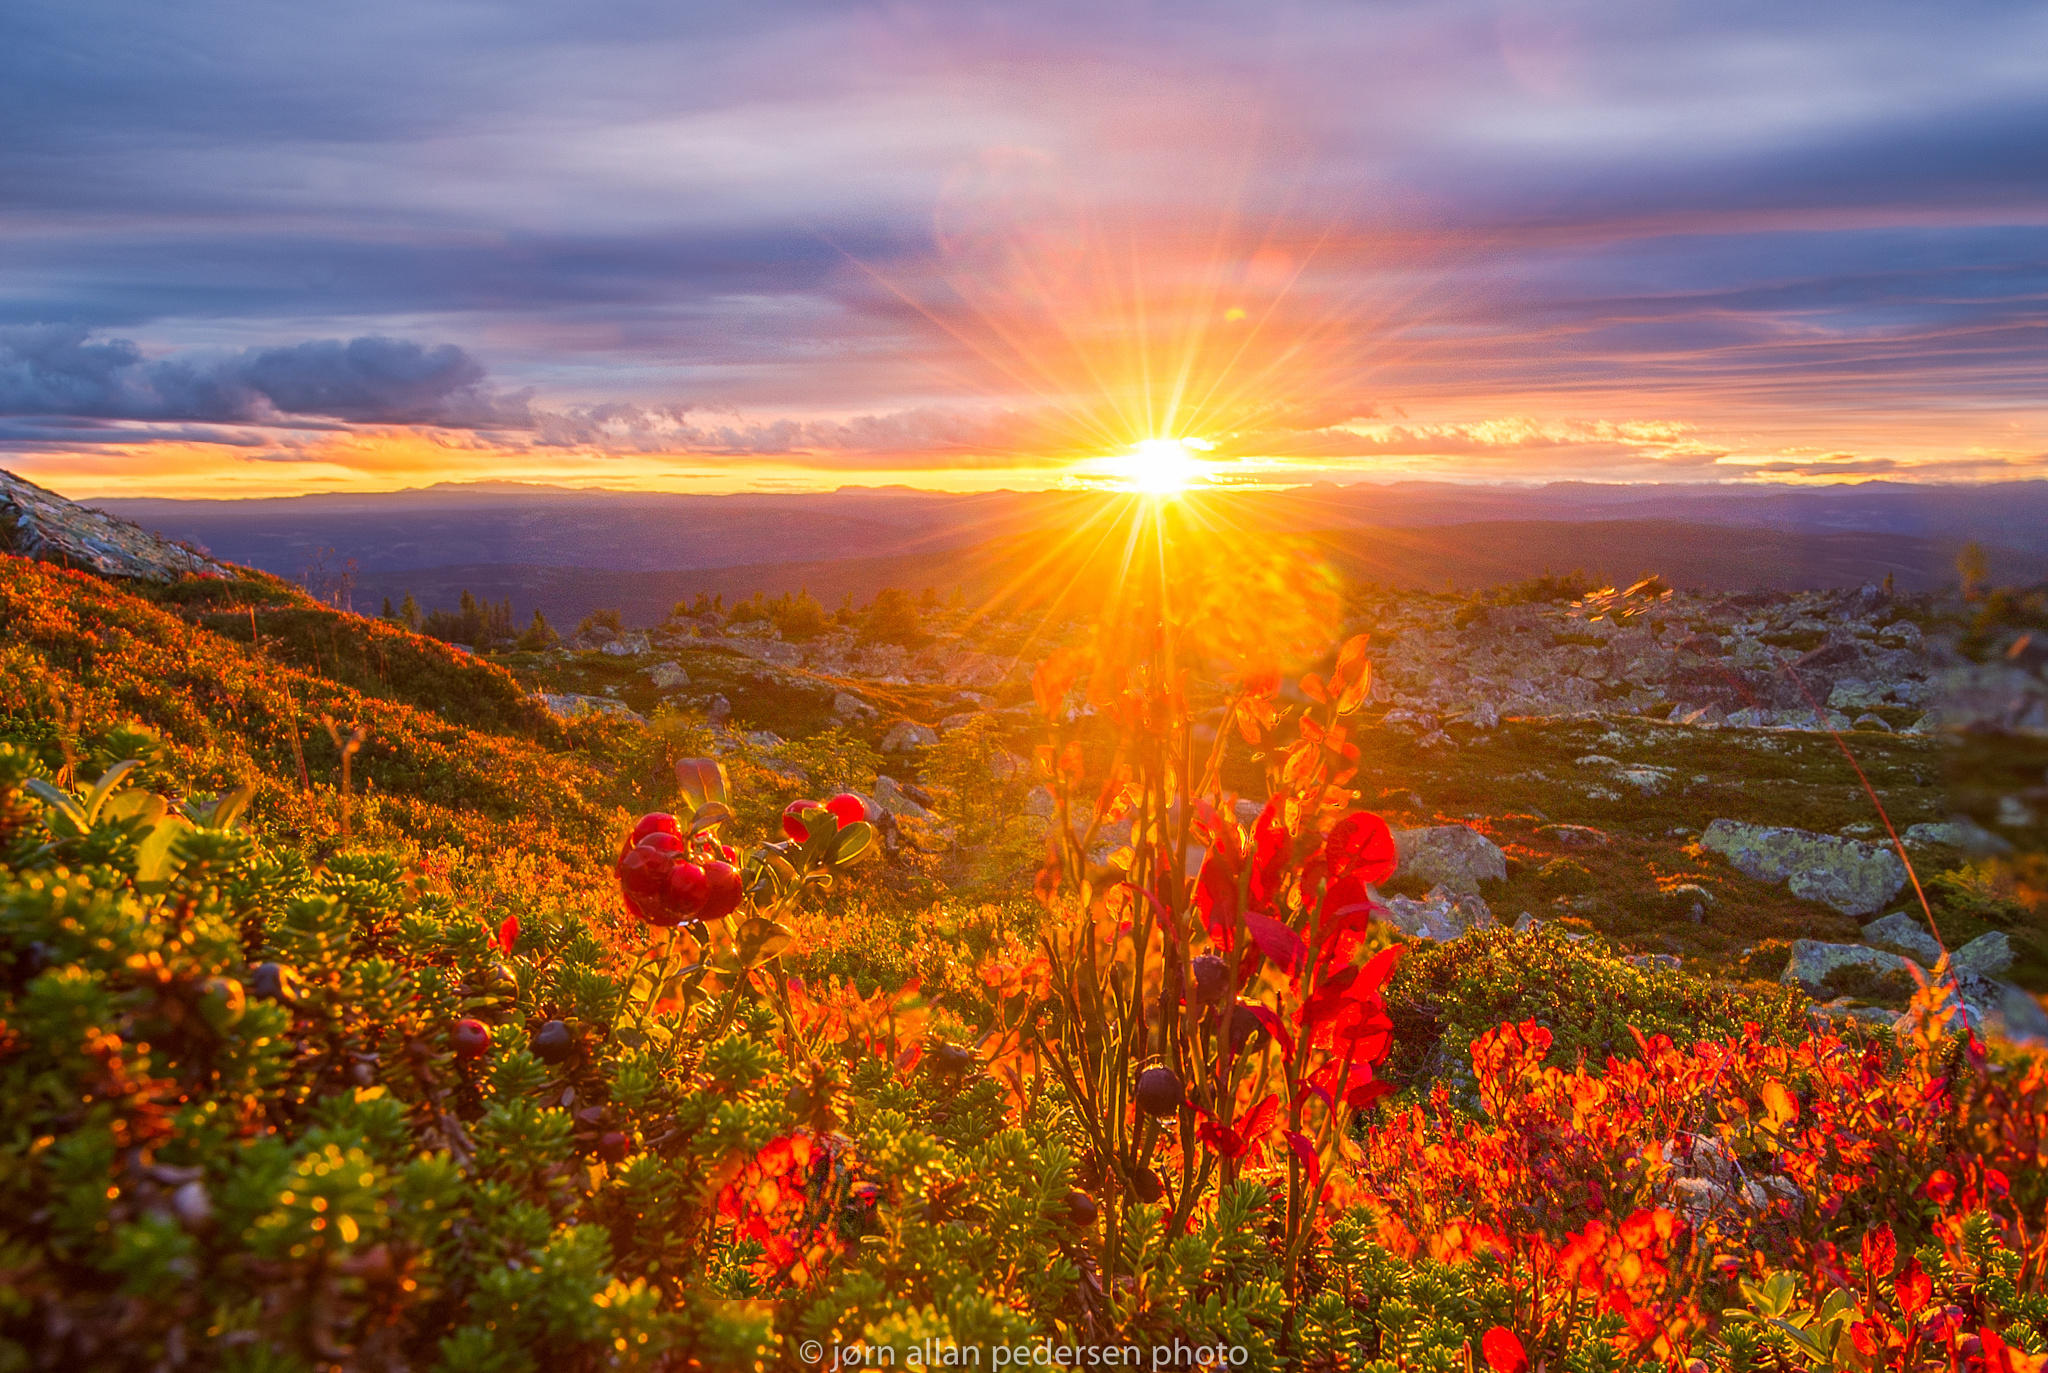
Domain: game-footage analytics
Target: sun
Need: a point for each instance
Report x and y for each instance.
(1163, 467)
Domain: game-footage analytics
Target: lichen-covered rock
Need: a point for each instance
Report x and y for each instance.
(668, 675)
(1849, 875)
(906, 735)
(1964, 834)
(42, 524)
(1901, 933)
(1442, 915)
(569, 705)
(1826, 971)
(1987, 955)
(1457, 857)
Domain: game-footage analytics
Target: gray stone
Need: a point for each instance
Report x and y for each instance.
(42, 524)
(1901, 933)
(889, 798)
(1826, 971)
(632, 645)
(847, 706)
(1993, 1008)
(1454, 856)
(667, 675)
(1960, 833)
(907, 735)
(1442, 915)
(1987, 955)
(1853, 877)
(570, 705)
(1749, 717)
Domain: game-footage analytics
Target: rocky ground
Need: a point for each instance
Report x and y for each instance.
(1678, 772)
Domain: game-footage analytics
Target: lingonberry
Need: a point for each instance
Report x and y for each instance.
(682, 896)
(847, 809)
(722, 891)
(792, 820)
(659, 822)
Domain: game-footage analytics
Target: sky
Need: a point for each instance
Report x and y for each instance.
(256, 249)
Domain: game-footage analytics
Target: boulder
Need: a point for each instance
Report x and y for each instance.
(1987, 955)
(1575, 836)
(891, 799)
(907, 735)
(1826, 971)
(632, 645)
(1442, 915)
(668, 675)
(1994, 1008)
(1961, 833)
(1456, 857)
(1853, 877)
(1901, 933)
(847, 706)
(42, 524)
(570, 705)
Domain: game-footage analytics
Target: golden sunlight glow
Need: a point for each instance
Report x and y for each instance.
(1162, 467)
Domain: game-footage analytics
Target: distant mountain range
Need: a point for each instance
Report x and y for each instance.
(568, 551)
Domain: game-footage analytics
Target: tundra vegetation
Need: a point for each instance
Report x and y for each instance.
(358, 1010)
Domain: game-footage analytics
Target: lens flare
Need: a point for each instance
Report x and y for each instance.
(1162, 467)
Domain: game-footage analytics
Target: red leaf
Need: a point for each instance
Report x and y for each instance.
(1362, 847)
(1271, 844)
(508, 934)
(1273, 1024)
(1504, 1353)
(1275, 941)
(1880, 1252)
(1915, 1288)
(1305, 1150)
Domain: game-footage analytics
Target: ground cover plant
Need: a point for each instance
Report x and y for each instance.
(571, 1045)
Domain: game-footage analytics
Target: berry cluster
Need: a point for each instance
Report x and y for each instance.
(669, 877)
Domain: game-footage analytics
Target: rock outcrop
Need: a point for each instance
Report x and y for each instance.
(42, 524)
(1853, 877)
(1456, 857)
(1826, 971)
(1441, 915)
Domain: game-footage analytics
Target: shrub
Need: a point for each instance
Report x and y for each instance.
(1444, 997)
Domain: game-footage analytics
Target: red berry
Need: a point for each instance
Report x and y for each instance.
(643, 878)
(683, 896)
(662, 843)
(614, 1146)
(470, 1038)
(847, 809)
(660, 822)
(722, 891)
(792, 819)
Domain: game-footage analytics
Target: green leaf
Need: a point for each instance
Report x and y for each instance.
(760, 939)
(709, 816)
(153, 861)
(701, 781)
(855, 840)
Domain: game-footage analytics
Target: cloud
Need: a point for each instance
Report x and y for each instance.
(62, 370)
